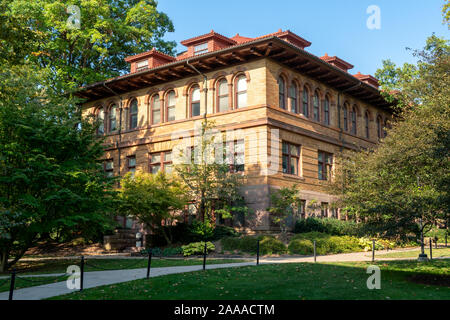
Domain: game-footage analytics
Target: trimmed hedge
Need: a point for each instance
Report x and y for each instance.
(270, 245)
(303, 243)
(327, 225)
(249, 244)
(299, 246)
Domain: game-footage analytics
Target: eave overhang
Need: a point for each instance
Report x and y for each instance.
(271, 47)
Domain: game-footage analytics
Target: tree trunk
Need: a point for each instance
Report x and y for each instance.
(169, 242)
(4, 261)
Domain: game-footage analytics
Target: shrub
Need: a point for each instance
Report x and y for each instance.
(197, 248)
(326, 243)
(310, 235)
(299, 246)
(248, 244)
(327, 225)
(230, 243)
(223, 231)
(199, 230)
(167, 252)
(270, 245)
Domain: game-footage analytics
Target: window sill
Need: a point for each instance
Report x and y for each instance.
(292, 176)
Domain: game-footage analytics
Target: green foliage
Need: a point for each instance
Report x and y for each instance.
(285, 202)
(224, 231)
(230, 243)
(50, 177)
(325, 243)
(197, 248)
(249, 244)
(402, 187)
(167, 252)
(109, 31)
(152, 199)
(301, 246)
(327, 225)
(200, 231)
(210, 183)
(270, 245)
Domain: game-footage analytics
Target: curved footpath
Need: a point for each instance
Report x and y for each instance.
(100, 278)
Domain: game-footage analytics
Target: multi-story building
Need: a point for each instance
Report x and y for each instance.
(292, 111)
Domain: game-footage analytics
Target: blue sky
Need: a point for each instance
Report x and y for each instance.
(337, 27)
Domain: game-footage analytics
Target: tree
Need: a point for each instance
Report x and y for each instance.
(153, 199)
(50, 177)
(109, 31)
(285, 202)
(212, 186)
(403, 185)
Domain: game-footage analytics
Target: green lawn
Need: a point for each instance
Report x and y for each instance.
(440, 252)
(28, 282)
(287, 281)
(92, 264)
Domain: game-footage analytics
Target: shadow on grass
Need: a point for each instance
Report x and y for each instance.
(321, 281)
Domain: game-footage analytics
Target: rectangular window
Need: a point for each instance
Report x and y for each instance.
(161, 161)
(141, 65)
(235, 155)
(131, 164)
(291, 158)
(195, 109)
(324, 210)
(171, 107)
(109, 168)
(201, 48)
(325, 164)
(302, 209)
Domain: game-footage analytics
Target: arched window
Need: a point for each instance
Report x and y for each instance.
(112, 125)
(222, 96)
(281, 94)
(101, 120)
(305, 102)
(155, 109)
(293, 97)
(353, 119)
(133, 114)
(366, 124)
(241, 92)
(326, 111)
(345, 117)
(316, 107)
(170, 106)
(195, 101)
(379, 127)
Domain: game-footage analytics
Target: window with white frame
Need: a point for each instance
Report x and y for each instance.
(201, 48)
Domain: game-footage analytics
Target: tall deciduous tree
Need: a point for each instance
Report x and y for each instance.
(212, 186)
(50, 177)
(404, 184)
(108, 31)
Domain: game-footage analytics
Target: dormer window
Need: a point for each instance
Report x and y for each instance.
(201, 48)
(141, 65)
